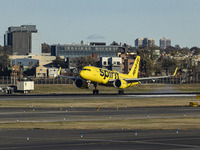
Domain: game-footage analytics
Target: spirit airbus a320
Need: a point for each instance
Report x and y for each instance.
(98, 76)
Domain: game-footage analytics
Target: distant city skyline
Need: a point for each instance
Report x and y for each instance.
(123, 21)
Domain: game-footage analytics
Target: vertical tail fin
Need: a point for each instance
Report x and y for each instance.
(135, 68)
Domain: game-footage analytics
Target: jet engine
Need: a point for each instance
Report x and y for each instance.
(120, 84)
(83, 84)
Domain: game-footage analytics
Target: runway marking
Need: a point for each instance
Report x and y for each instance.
(157, 96)
(152, 95)
(143, 142)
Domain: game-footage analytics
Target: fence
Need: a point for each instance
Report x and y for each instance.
(8, 80)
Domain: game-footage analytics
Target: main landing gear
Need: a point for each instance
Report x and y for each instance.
(120, 92)
(95, 92)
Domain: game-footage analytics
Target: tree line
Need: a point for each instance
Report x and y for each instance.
(169, 59)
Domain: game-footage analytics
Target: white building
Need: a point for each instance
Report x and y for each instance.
(111, 63)
(164, 43)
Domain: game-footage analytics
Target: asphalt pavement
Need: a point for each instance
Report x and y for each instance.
(8, 115)
(99, 139)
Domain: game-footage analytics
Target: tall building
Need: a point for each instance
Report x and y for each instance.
(80, 50)
(139, 42)
(164, 43)
(23, 40)
(144, 42)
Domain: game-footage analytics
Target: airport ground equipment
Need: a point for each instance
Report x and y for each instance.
(25, 86)
(7, 89)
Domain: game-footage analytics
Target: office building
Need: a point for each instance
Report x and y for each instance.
(80, 50)
(144, 42)
(139, 42)
(164, 43)
(23, 40)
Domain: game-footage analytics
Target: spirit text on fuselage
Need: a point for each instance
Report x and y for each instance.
(108, 74)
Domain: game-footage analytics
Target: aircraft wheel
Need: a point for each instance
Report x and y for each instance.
(95, 92)
(121, 92)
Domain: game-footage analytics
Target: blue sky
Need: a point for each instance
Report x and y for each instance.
(70, 21)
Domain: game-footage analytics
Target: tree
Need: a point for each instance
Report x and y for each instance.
(185, 51)
(171, 50)
(59, 62)
(46, 48)
(114, 43)
(1, 49)
(85, 61)
(169, 64)
(4, 64)
(195, 50)
(8, 50)
(146, 66)
(30, 72)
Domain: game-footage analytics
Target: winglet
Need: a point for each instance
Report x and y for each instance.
(175, 73)
(59, 71)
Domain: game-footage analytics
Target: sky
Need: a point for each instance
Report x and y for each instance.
(123, 21)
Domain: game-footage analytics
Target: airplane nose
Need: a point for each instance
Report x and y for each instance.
(82, 73)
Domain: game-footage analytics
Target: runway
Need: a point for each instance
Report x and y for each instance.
(91, 96)
(10, 115)
(95, 139)
(99, 139)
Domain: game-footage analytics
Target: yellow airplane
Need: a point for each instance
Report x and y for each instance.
(98, 76)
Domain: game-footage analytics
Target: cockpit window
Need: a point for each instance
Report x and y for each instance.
(86, 69)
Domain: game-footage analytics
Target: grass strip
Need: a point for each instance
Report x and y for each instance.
(102, 103)
(140, 124)
(154, 88)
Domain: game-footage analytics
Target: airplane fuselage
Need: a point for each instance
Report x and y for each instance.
(102, 76)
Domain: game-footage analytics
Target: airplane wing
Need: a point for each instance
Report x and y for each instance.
(69, 77)
(129, 80)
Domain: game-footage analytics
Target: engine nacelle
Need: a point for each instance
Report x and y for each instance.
(82, 84)
(122, 84)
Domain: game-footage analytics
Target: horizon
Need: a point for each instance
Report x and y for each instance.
(73, 21)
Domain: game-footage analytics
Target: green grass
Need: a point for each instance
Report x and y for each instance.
(102, 103)
(71, 88)
(175, 123)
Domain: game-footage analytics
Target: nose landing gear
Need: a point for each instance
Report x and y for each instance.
(95, 92)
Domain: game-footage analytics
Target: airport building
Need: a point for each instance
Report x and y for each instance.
(164, 43)
(80, 50)
(23, 40)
